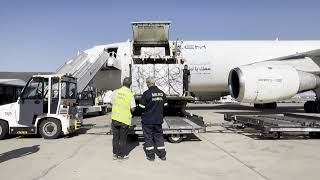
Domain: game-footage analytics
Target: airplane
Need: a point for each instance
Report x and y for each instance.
(258, 72)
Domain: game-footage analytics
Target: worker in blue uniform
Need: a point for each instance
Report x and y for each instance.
(152, 102)
(186, 79)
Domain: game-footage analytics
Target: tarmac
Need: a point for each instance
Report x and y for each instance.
(220, 153)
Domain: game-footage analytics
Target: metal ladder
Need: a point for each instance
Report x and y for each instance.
(84, 67)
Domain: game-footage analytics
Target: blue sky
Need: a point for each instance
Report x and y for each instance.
(40, 35)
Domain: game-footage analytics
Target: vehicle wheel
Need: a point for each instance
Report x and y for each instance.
(257, 106)
(4, 129)
(175, 138)
(102, 112)
(275, 135)
(317, 107)
(307, 106)
(314, 107)
(266, 106)
(272, 105)
(314, 135)
(310, 106)
(50, 129)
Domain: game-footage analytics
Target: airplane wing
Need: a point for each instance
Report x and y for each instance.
(308, 61)
(314, 54)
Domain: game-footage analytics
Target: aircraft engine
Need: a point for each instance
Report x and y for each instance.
(265, 84)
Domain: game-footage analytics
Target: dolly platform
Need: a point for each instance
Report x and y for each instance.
(274, 125)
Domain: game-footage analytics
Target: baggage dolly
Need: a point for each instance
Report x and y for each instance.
(275, 125)
(174, 127)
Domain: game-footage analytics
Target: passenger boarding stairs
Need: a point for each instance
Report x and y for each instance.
(84, 67)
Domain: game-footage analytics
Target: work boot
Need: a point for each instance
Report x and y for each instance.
(115, 157)
(150, 159)
(123, 157)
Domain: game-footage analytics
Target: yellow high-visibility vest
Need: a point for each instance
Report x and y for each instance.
(121, 104)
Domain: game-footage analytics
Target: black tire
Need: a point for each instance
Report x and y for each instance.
(257, 106)
(4, 129)
(317, 107)
(103, 112)
(175, 138)
(276, 135)
(314, 107)
(272, 105)
(50, 129)
(314, 135)
(307, 106)
(266, 106)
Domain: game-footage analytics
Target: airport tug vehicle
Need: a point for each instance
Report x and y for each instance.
(46, 106)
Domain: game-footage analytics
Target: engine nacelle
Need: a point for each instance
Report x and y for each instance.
(264, 84)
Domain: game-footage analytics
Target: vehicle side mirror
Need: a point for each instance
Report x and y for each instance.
(19, 93)
(20, 100)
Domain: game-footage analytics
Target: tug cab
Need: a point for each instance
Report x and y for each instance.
(46, 106)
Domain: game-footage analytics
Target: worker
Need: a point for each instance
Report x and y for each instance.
(174, 48)
(123, 104)
(152, 102)
(186, 79)
(98, 99)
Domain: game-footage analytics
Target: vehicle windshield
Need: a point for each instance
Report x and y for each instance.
(68, 90)
(35, 88)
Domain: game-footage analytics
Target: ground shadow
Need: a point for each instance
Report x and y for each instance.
(191, 137)
(83, 130)
(93, 126)
(256, 134)
(91, 115)
(94, 114)
(18, 153)
(133, 141)
(27, 136)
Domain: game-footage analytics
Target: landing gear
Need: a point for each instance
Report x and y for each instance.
(266, 106)
(314, 135)
(312, 107)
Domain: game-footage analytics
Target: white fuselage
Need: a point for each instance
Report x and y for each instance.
(211, 61)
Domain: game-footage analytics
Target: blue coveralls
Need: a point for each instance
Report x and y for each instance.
(186, 75)
(152, 101)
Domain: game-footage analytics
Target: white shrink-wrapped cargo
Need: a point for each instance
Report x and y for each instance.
(168, 78)
(153, 51)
